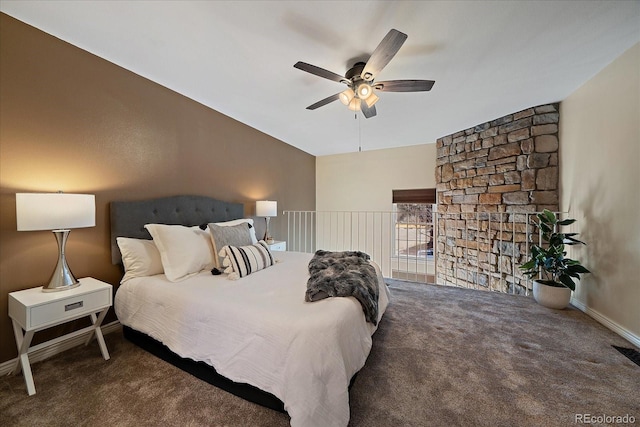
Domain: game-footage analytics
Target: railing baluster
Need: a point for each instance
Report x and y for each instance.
(477, 250)
(513, 252)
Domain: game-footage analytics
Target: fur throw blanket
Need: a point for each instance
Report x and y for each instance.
(344, 274)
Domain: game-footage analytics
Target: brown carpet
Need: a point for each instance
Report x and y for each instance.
(441, 357)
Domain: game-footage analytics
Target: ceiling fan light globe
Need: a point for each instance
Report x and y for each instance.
(371, 99)
(346, 96)
(354, 105)
(364, 91)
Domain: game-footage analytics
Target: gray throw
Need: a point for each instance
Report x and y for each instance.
(344, 274)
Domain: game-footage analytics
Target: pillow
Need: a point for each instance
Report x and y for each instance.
(140, 258)
(184, 251)
(242, 261)
(252, 229)
(232, 235)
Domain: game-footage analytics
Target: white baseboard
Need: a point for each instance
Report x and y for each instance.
(606, 322)
(52, 350)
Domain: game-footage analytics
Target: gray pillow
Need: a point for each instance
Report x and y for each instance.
(232, 235)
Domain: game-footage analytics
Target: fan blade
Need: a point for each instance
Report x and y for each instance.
(368, 111)
(325, 101)
(385, 51)
(404, 85)
(320, 72)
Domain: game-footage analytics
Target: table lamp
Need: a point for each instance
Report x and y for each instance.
(267, 209)
(58, 212)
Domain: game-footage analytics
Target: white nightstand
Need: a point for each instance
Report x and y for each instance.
(32, 310)
(278, 245)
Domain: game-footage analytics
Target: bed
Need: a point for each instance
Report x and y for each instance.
(256, 336)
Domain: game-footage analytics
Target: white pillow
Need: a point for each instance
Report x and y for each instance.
(184, 251)
(252, 229)
(140, 258)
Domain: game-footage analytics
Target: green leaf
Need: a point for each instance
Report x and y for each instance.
(541, 217)
(568, 282)
(550, 216)
(571, 241)
(528, 265)
(577, 268)
(567, 221)
(545, 228)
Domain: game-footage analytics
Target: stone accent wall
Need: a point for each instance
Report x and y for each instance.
(488, 178)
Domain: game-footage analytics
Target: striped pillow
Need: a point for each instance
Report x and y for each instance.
(244, 260)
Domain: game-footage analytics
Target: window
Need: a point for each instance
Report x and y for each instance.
(414, 234)
(413, 229)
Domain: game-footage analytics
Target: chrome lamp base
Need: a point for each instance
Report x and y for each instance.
(62, 278)
(267, 237)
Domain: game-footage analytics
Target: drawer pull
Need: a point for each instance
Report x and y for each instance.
(73, 306)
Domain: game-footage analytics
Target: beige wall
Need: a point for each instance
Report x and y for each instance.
(363, 181)
(74, 122)
(600, 187)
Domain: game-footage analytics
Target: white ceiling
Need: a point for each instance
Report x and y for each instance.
(488, 58)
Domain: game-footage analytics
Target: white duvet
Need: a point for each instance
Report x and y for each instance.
(259, 330)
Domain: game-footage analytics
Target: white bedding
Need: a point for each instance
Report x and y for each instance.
(259, 330)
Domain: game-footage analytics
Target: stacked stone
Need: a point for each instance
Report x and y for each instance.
(490, 178)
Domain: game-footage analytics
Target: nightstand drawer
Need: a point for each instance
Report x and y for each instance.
(69, 307)
(57, 311)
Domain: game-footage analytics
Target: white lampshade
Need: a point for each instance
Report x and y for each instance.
(266, 208)
(54, 211)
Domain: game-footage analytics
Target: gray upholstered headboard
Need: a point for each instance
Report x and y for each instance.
(128, 218)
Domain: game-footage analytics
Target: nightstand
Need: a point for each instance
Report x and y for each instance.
(278, 245)
(32, 310)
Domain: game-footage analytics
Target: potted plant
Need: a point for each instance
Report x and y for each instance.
(552, 271)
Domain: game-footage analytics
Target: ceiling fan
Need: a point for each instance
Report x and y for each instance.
(360, 94)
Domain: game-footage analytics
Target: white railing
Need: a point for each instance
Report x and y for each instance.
(397, 251)
(480, 250)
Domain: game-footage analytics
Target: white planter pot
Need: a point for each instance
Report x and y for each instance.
(551, 296)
